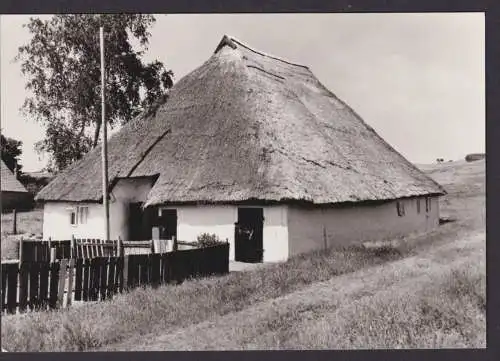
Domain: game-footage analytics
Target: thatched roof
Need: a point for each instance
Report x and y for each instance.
(249, 126)
(8, 181)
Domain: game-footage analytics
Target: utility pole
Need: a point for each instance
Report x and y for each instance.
(14, 211)
(105, 197)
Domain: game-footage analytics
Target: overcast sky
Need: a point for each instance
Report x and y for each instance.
(417, 79)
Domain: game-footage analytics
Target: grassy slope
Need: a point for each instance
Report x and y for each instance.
(429, 292)
(366, 309)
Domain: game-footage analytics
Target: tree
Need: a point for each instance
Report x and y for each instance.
(62, 65)
(11, 151)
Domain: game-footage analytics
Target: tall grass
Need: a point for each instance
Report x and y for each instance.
(144, 310)
(398, 304)
(447, 311)
(94, 325)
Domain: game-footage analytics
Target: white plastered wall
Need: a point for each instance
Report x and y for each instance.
(56, 215)
(57, 225)
(193, 220)
(317, 228)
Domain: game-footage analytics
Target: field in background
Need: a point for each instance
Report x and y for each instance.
(29, 224)
(422, 291)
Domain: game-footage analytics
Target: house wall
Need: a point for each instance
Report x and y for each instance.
(132, 190)
(193, 220)
(317, 228)
(275, 233)
(56, 215)
(57, 225)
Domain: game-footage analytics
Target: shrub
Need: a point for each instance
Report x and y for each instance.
(208, 240)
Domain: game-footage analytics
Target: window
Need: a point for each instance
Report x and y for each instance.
(72, 217)
(83, 214)
(401, 208)
(427, 204)
(418, 205)
(78, 215)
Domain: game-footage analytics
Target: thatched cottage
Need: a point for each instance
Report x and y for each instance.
(252, 148)
(14, 195)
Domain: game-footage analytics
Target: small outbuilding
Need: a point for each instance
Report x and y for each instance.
(252, 148)
(14, 195)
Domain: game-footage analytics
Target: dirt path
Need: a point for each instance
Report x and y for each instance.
(251, 326)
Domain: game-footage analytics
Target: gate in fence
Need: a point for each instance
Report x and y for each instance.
(48, 285)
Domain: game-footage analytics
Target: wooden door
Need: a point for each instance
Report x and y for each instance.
(168, 223)
(139, 222)
(249, 235)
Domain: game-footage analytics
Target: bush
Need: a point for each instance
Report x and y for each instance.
(208, 240)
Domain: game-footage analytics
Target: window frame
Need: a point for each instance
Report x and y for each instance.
(78, 215)
(400, 208)
(73, 217)
(83, 211)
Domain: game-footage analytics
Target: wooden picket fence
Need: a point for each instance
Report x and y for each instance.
(34, 285)
(44, 251)
(50, 285)
(40, 251)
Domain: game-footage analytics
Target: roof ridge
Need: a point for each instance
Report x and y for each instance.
(231, 40)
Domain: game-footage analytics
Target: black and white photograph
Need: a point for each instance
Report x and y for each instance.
(264, 181)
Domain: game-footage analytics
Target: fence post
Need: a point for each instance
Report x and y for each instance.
(70, 282)
(52, 255)
(21, 251)
(72, 247)
(174, 246)
(52, 251)
(119, 251)
(62, 282)
(14, 221)
(125, 272)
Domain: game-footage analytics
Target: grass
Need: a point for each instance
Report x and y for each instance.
(349, 310)
(424, 290)
(447, 311)
(440, 316)
(142, 310)
(28, 223)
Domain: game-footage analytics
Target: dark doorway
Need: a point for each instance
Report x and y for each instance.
(167, 222)
(248, 243)
(139, 228)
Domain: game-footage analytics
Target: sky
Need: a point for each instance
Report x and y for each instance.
(417, 79)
